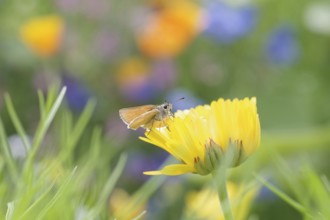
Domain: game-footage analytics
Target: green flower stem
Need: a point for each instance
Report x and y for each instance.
(219, 178)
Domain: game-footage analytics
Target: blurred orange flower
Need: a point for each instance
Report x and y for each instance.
(171, 29)
(43, 34)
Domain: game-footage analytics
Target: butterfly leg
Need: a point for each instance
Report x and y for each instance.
(149, 128)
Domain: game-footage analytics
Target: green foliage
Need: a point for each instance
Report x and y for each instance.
(309, 191)
(73, 165)
(56, 184)
(50, 186)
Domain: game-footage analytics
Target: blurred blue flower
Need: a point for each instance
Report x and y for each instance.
(228, 23)
(188, 102)
(265, 195)
(281, 46)
(139, 162)
(77, 94)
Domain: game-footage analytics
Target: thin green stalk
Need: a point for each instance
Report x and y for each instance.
(78, 129)
(57, 196)
(92, 157)
(285, 197)
(42, 109)
(18, 126)
(219, 178)
(326, 183)
(107, 189)
(143, 193)
(140, 215)
(42, 129)
(37, 202)
(7, 153)
(10, 210)
(51, 95)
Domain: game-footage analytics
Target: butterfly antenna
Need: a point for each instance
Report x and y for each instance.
(182, 98)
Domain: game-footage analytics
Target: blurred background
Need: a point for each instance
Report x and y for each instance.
(129, 53)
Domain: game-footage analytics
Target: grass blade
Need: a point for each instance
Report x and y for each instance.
(140, 215)
(17, 123)
(110, 184)
(34, 204)
(50, 98)
(42, 109)
(143, 193)
(42, 129)
(285, 197)
(10, 210)
(7, 153)
(58, 195)
(79, 128)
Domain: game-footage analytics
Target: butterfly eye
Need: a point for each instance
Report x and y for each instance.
(165, 106)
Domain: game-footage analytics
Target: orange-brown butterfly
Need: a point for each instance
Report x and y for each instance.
(146, 116)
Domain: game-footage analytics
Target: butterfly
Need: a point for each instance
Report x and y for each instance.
(146, 116)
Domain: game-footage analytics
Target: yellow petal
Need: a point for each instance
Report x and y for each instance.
(172, 170)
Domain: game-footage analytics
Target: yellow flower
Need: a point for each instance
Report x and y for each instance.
(170, 30)
(120, 206)
(43, 34)
(205, 203)
(133, 71)
(201, 136)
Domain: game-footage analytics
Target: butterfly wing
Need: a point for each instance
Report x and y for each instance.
(128, 115)
(144, 119)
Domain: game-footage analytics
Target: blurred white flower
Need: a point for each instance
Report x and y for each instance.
(81, 213)
(238, 2)
(317, 17)
(17, 146)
